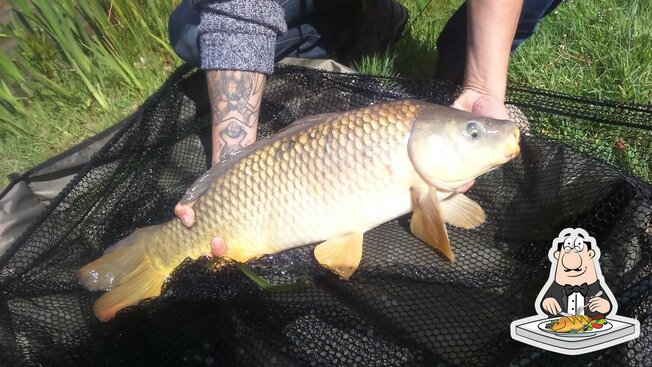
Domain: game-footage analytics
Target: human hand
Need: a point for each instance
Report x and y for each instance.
(235, 98)
(551, 306)
(599, 304)
(491, 28)
(481, 103)
(187, 216)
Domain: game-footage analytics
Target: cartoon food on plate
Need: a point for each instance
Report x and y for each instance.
(576, 310)
(575, 324)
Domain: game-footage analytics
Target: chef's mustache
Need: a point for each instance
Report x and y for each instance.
(576, 269)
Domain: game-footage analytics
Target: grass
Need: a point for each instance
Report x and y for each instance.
(598, 49)
(71, 81)
(602, 50)
(77, 68)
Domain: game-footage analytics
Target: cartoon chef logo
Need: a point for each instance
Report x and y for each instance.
(576, 285)
(576, 311)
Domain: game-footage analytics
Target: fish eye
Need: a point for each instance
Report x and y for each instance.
(473, 130)
(578, 245)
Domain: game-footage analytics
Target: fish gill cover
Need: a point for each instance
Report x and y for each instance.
(405, 306)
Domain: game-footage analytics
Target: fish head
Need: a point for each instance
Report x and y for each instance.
(449, 148)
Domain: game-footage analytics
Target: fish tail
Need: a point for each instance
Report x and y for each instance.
(127, 271)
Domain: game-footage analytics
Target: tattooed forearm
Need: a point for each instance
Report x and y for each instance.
(235, 102)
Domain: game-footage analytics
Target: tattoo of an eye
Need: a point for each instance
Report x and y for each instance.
(232, 137)
(235, 131)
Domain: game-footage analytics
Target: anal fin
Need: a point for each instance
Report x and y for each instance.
(463, 212)
(427, 222)
(342, 254)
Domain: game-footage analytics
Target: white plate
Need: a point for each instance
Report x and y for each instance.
(606, 326)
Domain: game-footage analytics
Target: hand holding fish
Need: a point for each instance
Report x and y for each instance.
(481, 104)
(469, 100)
(326, 180)
(235, 101)
(186, 215)
(492, 24)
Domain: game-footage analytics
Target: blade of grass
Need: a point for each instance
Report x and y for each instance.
(9, 69)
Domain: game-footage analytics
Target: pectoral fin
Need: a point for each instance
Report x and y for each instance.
(342, 254)
(427, 222)
(461, 211)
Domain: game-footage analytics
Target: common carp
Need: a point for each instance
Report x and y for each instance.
(326, 178)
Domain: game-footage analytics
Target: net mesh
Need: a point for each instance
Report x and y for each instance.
(404, 306)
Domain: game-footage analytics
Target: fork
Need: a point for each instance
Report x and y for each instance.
(582, 308)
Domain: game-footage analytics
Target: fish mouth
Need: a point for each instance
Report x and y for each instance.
(513, 151)
(513, 148)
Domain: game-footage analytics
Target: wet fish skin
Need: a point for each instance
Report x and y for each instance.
(310, 184)
(326, 178)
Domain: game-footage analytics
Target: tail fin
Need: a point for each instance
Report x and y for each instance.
(126, 271)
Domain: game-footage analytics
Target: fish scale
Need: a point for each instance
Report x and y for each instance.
(326, 178)
(281, 175)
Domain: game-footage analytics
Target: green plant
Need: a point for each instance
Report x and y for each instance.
(599, 49)
(76, 68)
(94, 42)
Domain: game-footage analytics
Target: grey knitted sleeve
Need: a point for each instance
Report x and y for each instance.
(239, 34)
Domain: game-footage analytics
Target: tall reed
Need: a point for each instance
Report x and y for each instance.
(62, 45)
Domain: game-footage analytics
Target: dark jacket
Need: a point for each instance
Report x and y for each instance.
(557, 292)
